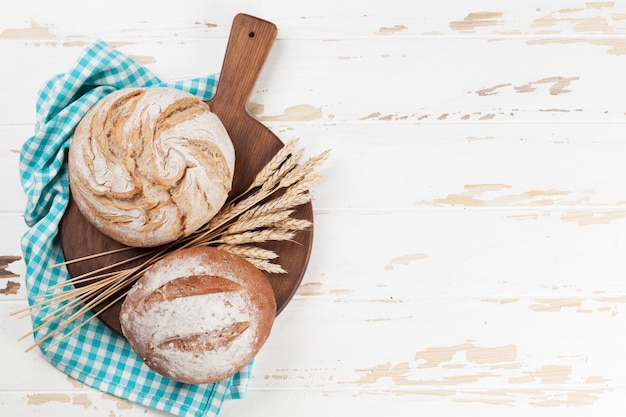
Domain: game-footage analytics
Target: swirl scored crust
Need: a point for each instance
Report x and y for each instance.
(150, 165)
(199, 315)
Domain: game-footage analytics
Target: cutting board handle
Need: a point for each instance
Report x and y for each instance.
(249, 44)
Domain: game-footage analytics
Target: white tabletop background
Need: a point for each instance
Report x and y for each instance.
(470, 232)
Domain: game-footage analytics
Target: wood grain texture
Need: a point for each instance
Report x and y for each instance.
(471, 227)
(249, 45)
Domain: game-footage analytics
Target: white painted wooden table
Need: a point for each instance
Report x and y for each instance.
(470, 242)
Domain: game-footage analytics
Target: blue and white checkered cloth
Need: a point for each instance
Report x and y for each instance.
(95, 355)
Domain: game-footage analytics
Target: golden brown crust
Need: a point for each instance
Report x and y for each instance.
(190, 286)
(199, 315)
(148, 166)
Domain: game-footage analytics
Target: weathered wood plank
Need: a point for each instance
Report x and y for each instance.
(469, 232)
(351, 81)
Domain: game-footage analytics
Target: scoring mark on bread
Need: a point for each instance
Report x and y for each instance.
(151, 157)
(190, 286)
(198, 342)
(179, 111)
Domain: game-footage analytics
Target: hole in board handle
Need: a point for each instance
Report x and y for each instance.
(251, 35)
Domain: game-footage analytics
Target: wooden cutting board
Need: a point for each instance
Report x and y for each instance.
(249, 44)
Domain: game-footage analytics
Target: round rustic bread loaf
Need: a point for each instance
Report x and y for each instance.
(150, 165)
(198, 315)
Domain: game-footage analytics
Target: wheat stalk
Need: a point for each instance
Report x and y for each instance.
(257, 222)
(293, 224)
(287, 167)
(266, 265)
(273, 164)
(258, 236)
(250, 252)
(259, 257)
(260, 214)
(303, 171)
(294, 196)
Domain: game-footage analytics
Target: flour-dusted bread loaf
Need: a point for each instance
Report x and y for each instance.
(198, 315)
(150, 165)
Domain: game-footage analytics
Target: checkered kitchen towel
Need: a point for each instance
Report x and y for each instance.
(95, 355)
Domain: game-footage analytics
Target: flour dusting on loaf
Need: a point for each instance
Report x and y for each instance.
(150, 165)
(199, 315)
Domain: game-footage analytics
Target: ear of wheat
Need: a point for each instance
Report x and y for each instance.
(260, 214)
